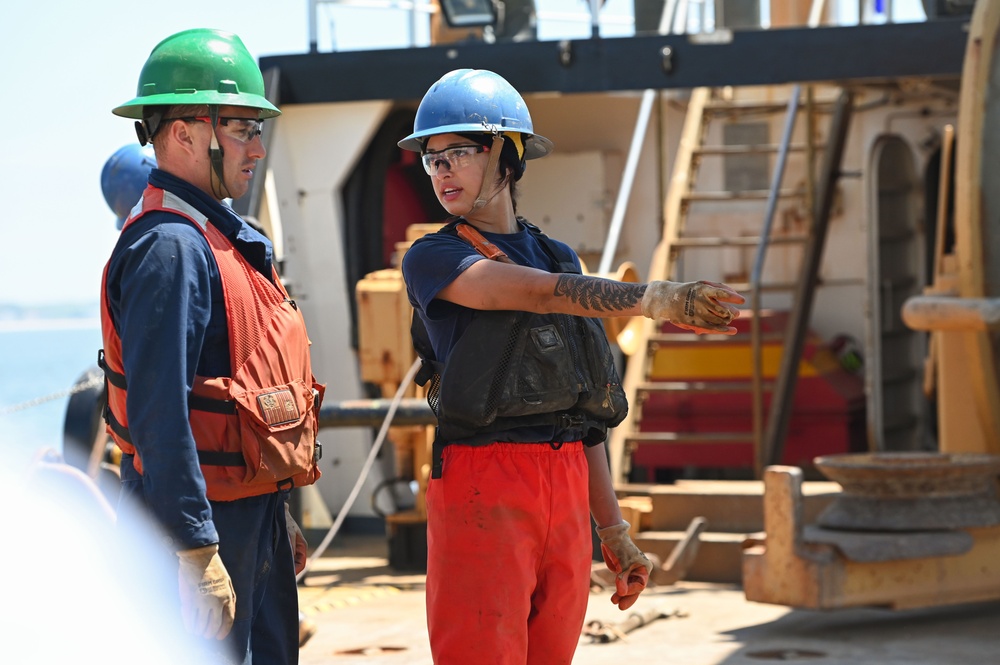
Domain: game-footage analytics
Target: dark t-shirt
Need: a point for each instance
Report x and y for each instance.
(435, 261)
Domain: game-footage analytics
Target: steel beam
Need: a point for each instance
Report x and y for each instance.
(866, 53)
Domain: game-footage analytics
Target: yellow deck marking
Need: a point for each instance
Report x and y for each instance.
(311, 605)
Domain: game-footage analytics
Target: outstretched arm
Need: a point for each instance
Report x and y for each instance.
(491, 285)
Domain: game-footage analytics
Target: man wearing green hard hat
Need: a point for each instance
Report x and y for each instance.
(211, 396)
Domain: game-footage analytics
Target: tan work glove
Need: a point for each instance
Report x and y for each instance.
(300, 549)
(208, 602)
(702, 307)
(626, 561)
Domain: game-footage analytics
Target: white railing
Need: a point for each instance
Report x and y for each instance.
(365, 24)
(563, 19)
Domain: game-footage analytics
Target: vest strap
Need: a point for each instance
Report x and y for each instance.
(117, 379)
(219, 458)
(120, 430)
(223, 406)
(437, 450)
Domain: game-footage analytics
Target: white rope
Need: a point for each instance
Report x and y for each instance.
(91, 381)
(379, 440)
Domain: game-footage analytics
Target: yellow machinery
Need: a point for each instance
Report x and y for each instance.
(914, 530)
(386, 354)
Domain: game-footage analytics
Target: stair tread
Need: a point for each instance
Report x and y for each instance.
(736, 241)
(721, 107)
(745, 287)
(752, 148)
(690, 437)
(737, 487)
(745, 195)
(634, 489)
(694, 338)
(699, 386)
(706, 536)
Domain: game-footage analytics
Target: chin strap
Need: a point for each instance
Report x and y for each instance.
(215, 156)
(490, 176)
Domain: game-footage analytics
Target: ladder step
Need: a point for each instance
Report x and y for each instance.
(720, 107)
(700, 386)
(745, 287)
(747, 195)
(694, 338)
(736, 241)
(761, 148)
(688, 437)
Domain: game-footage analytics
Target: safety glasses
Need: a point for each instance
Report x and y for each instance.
(452, 159)
(243, 130)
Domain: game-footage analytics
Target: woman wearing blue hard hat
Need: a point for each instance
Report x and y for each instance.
(524, 387)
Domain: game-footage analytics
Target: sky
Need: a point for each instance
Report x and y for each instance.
(68, 63)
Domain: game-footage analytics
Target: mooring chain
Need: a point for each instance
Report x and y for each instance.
(92, 380)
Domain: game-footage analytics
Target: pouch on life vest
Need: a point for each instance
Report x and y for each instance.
(268, 438)
(255, 431)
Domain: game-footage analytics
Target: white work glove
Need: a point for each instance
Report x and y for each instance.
(208, 601)
(300, 549)
(626, 561)
(702, 307)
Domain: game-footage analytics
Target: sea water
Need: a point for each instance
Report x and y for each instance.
(40, 362)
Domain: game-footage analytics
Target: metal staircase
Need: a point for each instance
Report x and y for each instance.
(657, 376)
(667, 368)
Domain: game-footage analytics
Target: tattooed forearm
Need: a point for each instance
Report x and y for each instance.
(599, 295)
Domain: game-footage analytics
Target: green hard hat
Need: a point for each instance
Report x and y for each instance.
(199, 66)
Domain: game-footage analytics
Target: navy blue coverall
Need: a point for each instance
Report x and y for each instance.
(166, 301)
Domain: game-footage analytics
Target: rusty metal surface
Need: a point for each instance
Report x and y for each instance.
(917, 514)
(911, 491)
(951, 313)
(789, 568)
(682, 556)
(912, 474)
(869, 547)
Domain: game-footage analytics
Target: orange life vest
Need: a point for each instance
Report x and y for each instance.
(255, 431)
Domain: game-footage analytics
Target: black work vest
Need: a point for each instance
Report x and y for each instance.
(512, 369)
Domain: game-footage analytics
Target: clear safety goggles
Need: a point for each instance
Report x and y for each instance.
(243, 130)
(452, 159)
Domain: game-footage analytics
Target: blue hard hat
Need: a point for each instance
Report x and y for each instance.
(124, 177)
(474, 100)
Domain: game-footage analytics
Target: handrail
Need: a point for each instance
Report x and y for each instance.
(756, 276)
(415, 7)
(758, 269)
(667, 19)
(816, 13)
(797, 328)
(586, 15)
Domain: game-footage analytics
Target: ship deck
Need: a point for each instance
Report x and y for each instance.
(368, 613)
